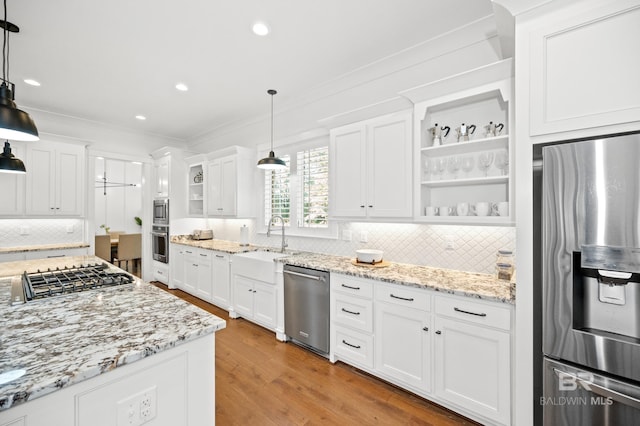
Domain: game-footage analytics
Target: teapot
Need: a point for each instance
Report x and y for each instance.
(464, 131)
(436, 133)
(493, 129)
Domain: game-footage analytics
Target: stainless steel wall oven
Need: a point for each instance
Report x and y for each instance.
(591, 282)
(160, 243)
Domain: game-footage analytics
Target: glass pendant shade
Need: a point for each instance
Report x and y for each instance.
(9, 163)
(272, 162)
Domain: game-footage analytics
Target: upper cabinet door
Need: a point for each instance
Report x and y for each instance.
(348, 171)
(371, 168)
(214, 188)
(584, 68)
(55, 179)
(162, 177)
(389, 167)
(229, 173)
(13, 186)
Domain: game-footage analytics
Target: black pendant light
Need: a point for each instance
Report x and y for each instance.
(272, 162)
(9, 163)
(15, 124)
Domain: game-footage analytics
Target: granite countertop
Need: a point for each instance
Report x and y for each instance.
(41, 247)
(469, 284)
(67, 339)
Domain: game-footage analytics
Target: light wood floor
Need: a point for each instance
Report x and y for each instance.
(261, 381)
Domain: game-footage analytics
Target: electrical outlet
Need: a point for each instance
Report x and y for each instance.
(347, 235)
(364, 237)
(449, 243)
(138, 409)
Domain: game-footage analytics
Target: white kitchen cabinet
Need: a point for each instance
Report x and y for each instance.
(13, 186)
(473, 357)
(255, 300)
(582, 74)
(196, 190)
(161, 178)
(177, 254)
(402, 336)
(197, 273)
(220, 269)
(55, 181)
(351, 318)
(160, 272)
(452, 169)
(229, 175)
(371, 167)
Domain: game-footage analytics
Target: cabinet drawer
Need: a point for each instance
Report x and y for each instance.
(353, 312)
(203, 257)
(406, 296)
(475, 312)
(352, 285)
(354, 346)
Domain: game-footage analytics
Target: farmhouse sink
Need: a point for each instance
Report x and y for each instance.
(258, 265)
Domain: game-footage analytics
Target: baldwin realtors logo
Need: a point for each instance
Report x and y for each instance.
(576, 382)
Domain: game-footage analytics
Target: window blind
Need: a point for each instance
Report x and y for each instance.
(278, 193)
(313, 200)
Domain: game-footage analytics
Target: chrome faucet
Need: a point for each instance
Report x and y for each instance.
(284, 244)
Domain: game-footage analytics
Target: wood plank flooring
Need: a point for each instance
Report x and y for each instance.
(261, 381)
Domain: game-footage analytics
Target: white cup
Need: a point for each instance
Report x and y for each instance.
(462, 209)
(431, 211)
(501, 208)
(446, 211)
(483, 208)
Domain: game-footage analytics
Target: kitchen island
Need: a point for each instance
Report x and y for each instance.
(118, 355)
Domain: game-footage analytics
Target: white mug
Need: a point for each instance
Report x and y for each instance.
(483, 208)
(462, 209)
(431, 211)
(501, 208)
(446, 211)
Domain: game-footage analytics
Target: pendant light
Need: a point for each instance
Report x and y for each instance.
(15, 124)
(272, 162)
(9, 163)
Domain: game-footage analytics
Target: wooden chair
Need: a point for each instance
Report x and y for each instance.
(115, 234)
(102, 247)
(129, 248)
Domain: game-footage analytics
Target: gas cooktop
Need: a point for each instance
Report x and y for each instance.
(59, 281)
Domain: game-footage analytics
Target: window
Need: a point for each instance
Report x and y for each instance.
(300, 193)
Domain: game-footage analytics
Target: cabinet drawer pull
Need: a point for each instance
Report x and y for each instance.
(438, 332)
(470, 313)
(350, 312)
(408, 299)
(204, 254)
(55, 255)
(349, 344)
(349, 287)
(195, 264)
(187, 251)
(220, 256)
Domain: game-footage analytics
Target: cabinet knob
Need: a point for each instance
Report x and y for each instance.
(362, 206)
(425, 328)
(370, 206)
(438, 332)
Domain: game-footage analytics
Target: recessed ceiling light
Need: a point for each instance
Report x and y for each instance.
(182, 87)
(141, 117)
(31, 82)
(260, 28)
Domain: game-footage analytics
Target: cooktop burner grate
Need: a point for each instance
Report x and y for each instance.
(41, 284)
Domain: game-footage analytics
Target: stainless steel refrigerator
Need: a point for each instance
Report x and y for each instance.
(591, 282)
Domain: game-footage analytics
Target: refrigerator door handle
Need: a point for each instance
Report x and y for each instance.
(601, 390)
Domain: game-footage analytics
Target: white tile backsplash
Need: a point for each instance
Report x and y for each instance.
(474, 247)
(25, 232)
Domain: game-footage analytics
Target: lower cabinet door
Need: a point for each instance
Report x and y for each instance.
(221, 284)
(205, 283)
(472, 368)
(402, 345)
(243, 296)
(264, 304)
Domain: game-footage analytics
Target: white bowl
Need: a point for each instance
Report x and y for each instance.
(369, 255)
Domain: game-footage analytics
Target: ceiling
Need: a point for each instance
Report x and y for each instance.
(109, 61)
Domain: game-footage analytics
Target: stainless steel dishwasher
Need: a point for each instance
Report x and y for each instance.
(306, 308)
